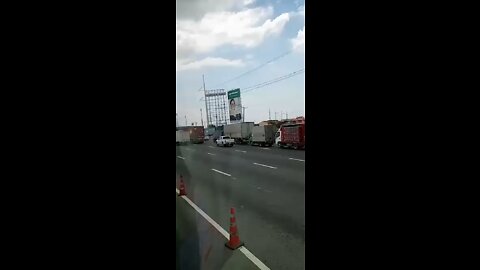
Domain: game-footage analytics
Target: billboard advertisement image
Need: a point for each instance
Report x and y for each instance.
(235, 105)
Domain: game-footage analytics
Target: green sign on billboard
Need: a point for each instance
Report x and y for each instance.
(235, 93)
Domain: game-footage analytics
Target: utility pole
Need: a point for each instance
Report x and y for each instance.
(269, 115)
(186, 121)
(205, 97)
(243, 115)
(201, 116)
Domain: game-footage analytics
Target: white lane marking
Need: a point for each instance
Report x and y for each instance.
(297, 159)
(209, 219)
(243, 249)
(266, 148)
(221, 172)
(211, 154)
(240, 151)
(180, 157)
(254, 259)
(264, 165)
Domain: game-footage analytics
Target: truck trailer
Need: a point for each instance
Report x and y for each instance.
(240, 132)
(183, 137)
(263, 135)
(197, 133)
(291, 136)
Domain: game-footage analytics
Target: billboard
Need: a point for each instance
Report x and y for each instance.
(235, 105)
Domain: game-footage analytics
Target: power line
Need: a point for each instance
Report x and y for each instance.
(256, 68)
(272, 81)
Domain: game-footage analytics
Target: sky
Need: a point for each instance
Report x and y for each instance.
(222, 39)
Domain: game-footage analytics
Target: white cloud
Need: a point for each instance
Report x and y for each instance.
(248, 2)
(208, 62)
(298, 43)
(196, 9)
(299, 12)
(247, 28)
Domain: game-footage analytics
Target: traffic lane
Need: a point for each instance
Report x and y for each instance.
(300, 154)
(286, 203)
(264, 156)
(270, 233)
(287, 173)
(280, 189)
(274, 150)
(284, 180)
(200, 246)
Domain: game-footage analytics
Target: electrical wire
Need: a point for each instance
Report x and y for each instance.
(256, 68)
(272, 81)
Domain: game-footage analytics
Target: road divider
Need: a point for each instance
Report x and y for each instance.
(296, 159)
(263, 165)
(221, 172)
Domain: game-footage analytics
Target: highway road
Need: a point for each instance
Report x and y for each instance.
(265, 185)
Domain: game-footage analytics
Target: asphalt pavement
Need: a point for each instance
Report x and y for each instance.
(200, 246)
(265, 185)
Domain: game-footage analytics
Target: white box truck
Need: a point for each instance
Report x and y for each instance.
(183, 137)
(240, 132)
(263, 135)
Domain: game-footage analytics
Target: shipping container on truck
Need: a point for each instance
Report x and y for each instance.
(183, 137)
(291, 136)
(197, 133)
(240, 132)
(263, 135)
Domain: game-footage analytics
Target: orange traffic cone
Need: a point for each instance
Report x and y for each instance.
(182, 187)
(234, 241)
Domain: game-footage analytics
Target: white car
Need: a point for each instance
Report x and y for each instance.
(225, 141)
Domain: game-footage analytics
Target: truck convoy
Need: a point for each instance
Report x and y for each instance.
(239, 132)
(291, 135)
(263, 135)
(197, 133)
(183, 137)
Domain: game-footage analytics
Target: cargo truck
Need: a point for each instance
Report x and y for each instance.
(183, 137)
(197, 133)
(240, 132)
(263, 135)
(291, 136)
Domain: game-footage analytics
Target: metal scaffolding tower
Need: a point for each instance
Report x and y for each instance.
(216, 105)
